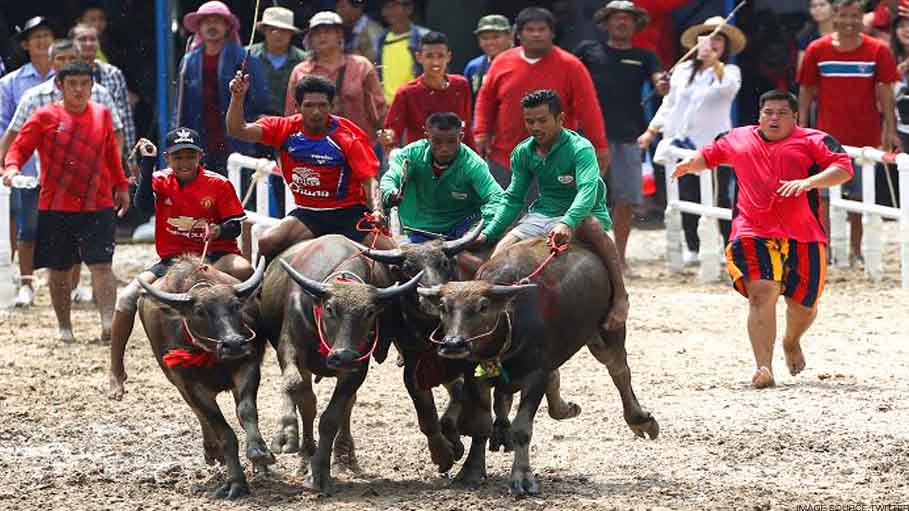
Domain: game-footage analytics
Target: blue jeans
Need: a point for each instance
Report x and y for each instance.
(455, 232)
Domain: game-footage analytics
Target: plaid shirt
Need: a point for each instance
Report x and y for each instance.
(111, 77)
(47, 93)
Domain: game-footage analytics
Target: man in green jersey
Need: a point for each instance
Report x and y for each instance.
(441, 185)
(572, 195)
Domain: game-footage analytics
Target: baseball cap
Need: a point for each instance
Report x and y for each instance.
(183, 138)
(493, 23)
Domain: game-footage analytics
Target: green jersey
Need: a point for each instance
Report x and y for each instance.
(440, 203)
(568, 180)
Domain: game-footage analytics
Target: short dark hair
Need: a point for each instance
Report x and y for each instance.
(845, 3)
(74, 69)
(543, 97)
(434, 37)
(60, 45)
(780, 95)
(530, 14)
(444, 121)
(314, 83)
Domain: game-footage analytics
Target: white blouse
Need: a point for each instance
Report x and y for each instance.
(699, 110)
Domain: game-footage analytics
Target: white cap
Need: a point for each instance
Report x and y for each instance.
(325, 18)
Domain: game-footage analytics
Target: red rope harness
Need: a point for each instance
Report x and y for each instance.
(325, 348)
(554, 250)
(185, 359)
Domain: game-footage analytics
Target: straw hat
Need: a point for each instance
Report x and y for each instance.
(641, 18)
(736, 37)
(277, 17)
(191, 21)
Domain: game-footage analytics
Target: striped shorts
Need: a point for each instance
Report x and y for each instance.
(800, 267)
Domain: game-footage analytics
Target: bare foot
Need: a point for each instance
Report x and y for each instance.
(795, 359)
(116, 386)
(618, 314)
(762, 379)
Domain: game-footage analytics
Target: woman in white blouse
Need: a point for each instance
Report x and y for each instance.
(697, 109)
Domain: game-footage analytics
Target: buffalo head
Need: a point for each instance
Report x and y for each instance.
(435, 259)
(475, 317)
(212, 313)
(348, 312)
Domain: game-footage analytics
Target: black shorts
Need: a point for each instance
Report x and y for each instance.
(332, 221)
(65, 239)
(160, 268)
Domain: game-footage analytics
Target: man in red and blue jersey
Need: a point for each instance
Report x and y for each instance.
(778, 243)
(326, 161)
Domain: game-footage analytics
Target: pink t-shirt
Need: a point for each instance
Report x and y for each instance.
(760, 165)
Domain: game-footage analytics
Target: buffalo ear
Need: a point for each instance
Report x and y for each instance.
(431, 305)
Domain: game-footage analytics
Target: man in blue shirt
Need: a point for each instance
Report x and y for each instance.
(35, 38)
(494, 36)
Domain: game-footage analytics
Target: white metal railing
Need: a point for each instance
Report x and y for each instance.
(711, 248)
(259, 219)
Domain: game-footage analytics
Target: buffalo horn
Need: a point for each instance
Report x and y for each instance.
(394, 291)
(170, 299)
(247, 288)
(498, 290)
(454, 247)
(393, 256)
(313, 287)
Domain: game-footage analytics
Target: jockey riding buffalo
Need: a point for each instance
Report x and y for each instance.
(516, 335)
(328, 324)
(198, 328)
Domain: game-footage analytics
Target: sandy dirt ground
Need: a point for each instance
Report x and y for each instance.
(835, 435)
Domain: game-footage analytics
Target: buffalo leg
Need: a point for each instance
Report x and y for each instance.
(449, 421)
(245, 389)
(287, 440)
(344, 452)
(501, 426)
(475, 422)
(559, 409)
(319, 478)
(611, 353)
(206, 408)
(523, 481)
(440, 449)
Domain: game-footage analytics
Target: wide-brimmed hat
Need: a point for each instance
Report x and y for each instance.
(191, 20)
(737, 39)
(641, 18)
(493, 23)
(32, 24)
(277, 17)
(325, 18)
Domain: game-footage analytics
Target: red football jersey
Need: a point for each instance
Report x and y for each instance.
(322, 172)
(182, 211)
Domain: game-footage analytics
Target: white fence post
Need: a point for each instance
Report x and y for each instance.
(708, 233)
(839, 233)
(902, 164)
(7, 288)
(673, 221)
(872, 224)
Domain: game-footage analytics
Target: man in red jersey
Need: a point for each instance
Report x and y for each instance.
(850, 73)
(192, 207)
(536, 64)
(326, 160)
(778, 240)
(82, 180)
(434, 91)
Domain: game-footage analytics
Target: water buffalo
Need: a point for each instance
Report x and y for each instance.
(327, 310)
(521, 334)
(197, 323)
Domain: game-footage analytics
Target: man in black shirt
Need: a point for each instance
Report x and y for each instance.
(619, 71)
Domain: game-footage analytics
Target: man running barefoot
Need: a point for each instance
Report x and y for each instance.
(778, 240)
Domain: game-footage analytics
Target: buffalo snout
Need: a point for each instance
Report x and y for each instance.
(339, 359)
(234, 347)
(454, 346)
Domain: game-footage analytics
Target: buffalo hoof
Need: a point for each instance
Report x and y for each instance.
(648, 428)
(470, 477)
(318, 484)
(232, 490)
(345, 458)
(450, 432)
(213, 454)
(285, 443)
(567, 410)
(308, 448)
(261, 458)
(501, 437)
(442, 453)
(524, 484)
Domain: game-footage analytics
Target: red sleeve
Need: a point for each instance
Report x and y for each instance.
(26, 141)
(360, 155)
(885, 70)
(115, 161)
(274, 130)
(808, 74)
(396, 118)
(488, 100)
(828, 152)
(228, 203)
(717, 152)
(587, 106)
(467, 115)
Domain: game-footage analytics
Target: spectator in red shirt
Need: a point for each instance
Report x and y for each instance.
(850, 73)
(326, 160)
(536, 64)
(777, 243)
(660, 35)
(80, 166)
(192, 207)
(432, 92)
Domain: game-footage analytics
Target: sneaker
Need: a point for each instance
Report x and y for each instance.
(81, 295)
(26, 297)
(690, 257)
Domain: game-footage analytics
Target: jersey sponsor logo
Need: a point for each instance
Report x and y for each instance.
(566, 179)
(459, 195)
(303, 182)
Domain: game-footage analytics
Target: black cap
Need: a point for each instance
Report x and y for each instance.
(32, 24)
(183, 138)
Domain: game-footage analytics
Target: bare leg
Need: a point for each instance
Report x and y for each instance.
(621, 226)
(503, 244)
(798, 319)
(762, 298)
(592, 232)
(121, 329)
(76, 275)
(235, 265)
(60, 287)
(104, 287)
(26, 261)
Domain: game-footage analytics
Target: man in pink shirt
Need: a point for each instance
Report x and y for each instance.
(778, 243)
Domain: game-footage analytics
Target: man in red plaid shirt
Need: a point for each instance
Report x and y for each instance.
(82, 181)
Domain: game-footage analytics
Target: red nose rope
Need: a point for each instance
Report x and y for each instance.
(184, 359)
(325, 348)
